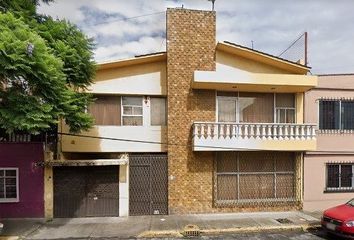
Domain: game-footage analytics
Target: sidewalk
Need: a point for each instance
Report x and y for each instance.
(158, 226)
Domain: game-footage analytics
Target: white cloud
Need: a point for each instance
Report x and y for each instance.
(271, 25)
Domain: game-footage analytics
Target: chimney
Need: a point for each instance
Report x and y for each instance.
(190, 46)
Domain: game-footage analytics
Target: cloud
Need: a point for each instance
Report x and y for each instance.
(271, 25)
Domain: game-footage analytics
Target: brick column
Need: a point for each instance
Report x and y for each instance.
(190, 47)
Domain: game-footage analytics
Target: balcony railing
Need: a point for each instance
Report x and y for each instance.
(270, 136)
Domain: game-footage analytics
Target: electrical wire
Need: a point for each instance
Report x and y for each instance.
(123, 19)
(155, 142)
(204, 146)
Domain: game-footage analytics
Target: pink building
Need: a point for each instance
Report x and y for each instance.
(328, 171)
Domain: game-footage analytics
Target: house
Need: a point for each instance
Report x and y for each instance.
(328, 170)
(21, 179)
(203, 127)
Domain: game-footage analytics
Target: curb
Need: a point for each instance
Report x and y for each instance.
(9, 237)
(176, 233)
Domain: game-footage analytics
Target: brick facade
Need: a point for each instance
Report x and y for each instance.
(190, 47)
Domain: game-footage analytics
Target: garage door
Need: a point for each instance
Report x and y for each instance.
(148, 184)
(86, 191)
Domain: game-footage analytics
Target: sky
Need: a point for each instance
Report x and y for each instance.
(125, 28)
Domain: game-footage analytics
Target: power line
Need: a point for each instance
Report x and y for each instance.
(124, 19)
(153, 142)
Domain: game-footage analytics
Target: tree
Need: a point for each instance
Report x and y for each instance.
(45, 67)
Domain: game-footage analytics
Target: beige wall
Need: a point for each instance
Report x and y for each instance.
(315, 182)
(137, 133)
(340, 81)
(229, 62)
(144, 79)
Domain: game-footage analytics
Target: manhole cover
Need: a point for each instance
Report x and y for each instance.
(284, 220)
(191, 231)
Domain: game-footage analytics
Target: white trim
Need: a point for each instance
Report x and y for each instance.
(11, 200)
(132, 115)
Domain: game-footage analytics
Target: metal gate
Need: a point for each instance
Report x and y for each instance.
(86, 191)
(148, 185)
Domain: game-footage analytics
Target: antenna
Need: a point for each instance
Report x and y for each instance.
(213, 4)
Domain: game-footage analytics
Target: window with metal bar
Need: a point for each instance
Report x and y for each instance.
(9, 185)
(247, 177)
(340, 177)
(336, 114)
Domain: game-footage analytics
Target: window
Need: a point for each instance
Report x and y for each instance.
(256, 107)
(254, 176)
(246, 107)
(336, 114)
(9, 185)
(106, 110)
(132, 109)
(227, 109)
(285, 108)
(158, 111)
(340, 177)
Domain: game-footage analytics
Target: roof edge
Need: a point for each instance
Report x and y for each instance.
(264, 55)
(138, 59)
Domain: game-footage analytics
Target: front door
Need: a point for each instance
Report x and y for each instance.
(148, 184)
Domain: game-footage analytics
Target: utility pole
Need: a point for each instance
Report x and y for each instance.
(213, 4)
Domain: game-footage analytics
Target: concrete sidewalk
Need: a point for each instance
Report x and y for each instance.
(158, 226)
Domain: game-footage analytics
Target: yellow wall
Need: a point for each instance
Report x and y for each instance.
(226, 61)
(146, 79)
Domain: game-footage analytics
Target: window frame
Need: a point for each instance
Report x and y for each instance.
(17, 177)
(339, 188)
(132, 115)
(275, 108)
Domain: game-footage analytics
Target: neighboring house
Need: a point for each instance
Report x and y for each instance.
(328, 171)
(202, 127)
(21, 179)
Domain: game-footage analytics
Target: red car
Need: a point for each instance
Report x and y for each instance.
(340, 220)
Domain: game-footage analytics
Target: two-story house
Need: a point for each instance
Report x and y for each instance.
(329, 170)
(202, 127)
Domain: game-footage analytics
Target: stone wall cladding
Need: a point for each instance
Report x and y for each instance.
(190, 47)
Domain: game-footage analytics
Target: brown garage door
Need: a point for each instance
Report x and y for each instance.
(148, 184)
(86, 191)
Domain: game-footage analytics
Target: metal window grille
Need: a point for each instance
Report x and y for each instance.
(255, 177)
(336, 114)
(340, 177)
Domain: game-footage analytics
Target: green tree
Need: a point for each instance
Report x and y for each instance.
(45, 67)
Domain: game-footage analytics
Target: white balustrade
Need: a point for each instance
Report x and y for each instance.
(263, 131)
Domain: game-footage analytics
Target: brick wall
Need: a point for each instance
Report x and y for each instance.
(190, 47)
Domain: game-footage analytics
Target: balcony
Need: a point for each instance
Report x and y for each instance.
(210, 136)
